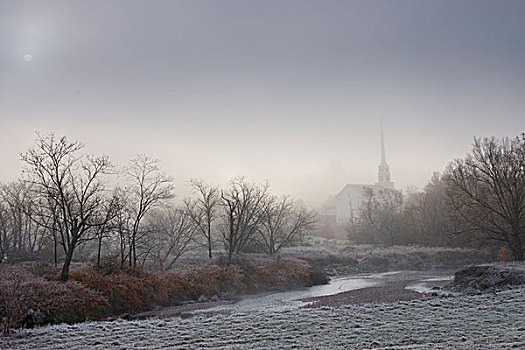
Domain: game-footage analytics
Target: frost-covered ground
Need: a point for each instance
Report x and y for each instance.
(328, 252)
(487, 321)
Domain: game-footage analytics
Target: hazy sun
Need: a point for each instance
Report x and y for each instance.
(28, 58)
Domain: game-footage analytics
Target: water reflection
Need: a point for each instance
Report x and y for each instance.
(283, 301)
(422, 282)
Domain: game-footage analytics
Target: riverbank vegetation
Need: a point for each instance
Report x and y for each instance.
(31, 293)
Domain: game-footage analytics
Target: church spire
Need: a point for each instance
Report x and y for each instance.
(383, 156)
(383, 176)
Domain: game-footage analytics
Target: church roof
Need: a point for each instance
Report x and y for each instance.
(356, 188)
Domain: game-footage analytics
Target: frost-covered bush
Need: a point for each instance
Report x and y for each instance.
(191, 285)
(216, 280)
(134, 290)
(282, 274)
(58, 302)
(26, 300)
(11, 289)
(41, 269)
(126, 291)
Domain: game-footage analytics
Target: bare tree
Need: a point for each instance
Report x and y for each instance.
(122, 225)
(203, 210)
(433, 218)
(68, 188)
(104, 231)
(282, 222)
(15, 199)
(380, 219)
(149, 189)
(173, 235)
(486, 191)
(243, 205)
(4, 243)
(25, 235)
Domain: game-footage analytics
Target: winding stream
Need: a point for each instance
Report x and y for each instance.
(285, 301)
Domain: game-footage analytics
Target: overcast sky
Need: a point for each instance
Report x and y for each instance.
(289, 91)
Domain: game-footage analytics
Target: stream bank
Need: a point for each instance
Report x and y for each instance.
(342, 290)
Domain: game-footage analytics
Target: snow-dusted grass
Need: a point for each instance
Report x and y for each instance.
(332, 249)
(366, 251)
(337, 257)
(487, 321)
(353, 259)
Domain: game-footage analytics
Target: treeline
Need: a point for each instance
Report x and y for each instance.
(478, 200)
(388, 217)
(67, 200)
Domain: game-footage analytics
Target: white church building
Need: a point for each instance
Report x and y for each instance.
(349, 200)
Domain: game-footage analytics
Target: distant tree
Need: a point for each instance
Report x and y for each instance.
(282, 222)
(4, 243)
(68, 188)
(243, 205)
(122, 225)
(435, 222)
(380, 217)
(486, 191)
(173, 235)
(149, 188)
(24, 236)
(106, 230)
(203, 210)
(411, 217)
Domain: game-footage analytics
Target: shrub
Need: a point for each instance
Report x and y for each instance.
(134, 290)
(126, 291)
(283, 274)
(41, 269)
(58, 302)
(26, 300)
(318, 277)
(173, 289)
(190, 285)
(216, 280)
(11, 289)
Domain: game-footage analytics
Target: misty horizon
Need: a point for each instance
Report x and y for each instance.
(271, 91)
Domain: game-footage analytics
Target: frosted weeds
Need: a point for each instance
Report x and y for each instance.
(488, 321)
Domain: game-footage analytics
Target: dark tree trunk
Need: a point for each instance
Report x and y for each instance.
(517, 249)
(75, 233)
(134, 251)
(65, 268)
(55, 243)
(130, 255)
(230, 256)
(209, 246)
(98, 252)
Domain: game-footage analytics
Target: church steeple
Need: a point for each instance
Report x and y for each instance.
(383, 156)
(383, 176)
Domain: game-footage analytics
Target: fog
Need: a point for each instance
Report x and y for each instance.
(272, 174)
(292, 92)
